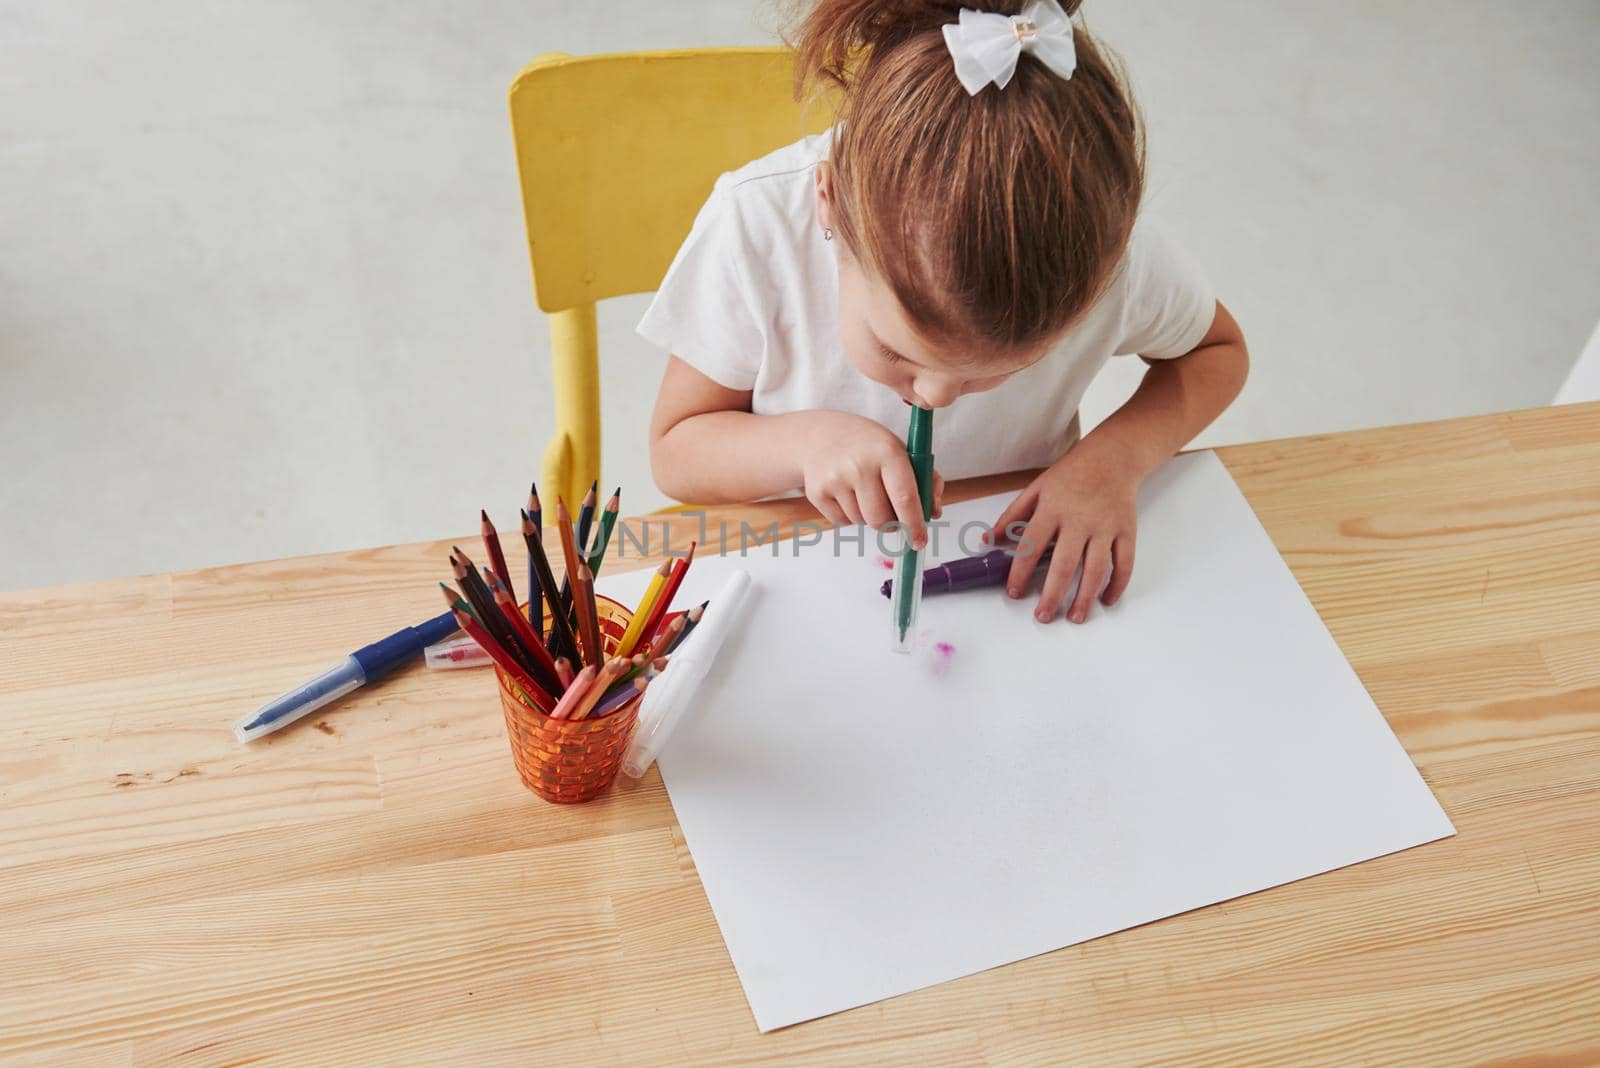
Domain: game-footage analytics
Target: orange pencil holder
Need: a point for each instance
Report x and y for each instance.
(566, 760)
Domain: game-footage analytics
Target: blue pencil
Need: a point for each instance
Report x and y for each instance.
(586, 517)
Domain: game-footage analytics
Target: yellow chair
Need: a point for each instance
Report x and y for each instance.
(616, 154)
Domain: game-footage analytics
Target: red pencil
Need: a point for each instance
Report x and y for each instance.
(536, 694)
(667, 634)
(663, 604)
(550, 679)
(497, 557)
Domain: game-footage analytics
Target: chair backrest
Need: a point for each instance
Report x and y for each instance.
(617, 153)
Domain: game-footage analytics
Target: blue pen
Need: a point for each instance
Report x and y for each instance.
(367, 664)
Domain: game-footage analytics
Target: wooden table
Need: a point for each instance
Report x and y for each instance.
(374, 885)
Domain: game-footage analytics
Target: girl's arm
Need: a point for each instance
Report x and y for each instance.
(706, 446)
(1086, 503)
(1177, 399)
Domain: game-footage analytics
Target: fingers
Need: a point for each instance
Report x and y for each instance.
(829, 508)
(849, 505)
(938, 495)
(874, 502)
(1096, 568)
(1122, 564)
(1063, 566)
(1020, 508)
(1030, 547)
(901, 485)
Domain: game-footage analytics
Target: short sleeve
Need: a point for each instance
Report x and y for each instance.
(704, 312)
(1169, 304)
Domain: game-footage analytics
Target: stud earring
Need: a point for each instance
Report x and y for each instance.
(827, 234)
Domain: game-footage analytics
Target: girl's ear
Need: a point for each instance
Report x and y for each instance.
(824, 195)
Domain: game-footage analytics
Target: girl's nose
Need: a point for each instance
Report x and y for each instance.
(935, 391)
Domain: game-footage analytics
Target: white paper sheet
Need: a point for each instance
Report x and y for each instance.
(867, 824)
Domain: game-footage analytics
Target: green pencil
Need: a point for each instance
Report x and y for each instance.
(602, 538)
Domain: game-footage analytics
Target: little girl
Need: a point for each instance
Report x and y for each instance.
(965, 238)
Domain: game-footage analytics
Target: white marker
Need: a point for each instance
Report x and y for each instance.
(670, 694)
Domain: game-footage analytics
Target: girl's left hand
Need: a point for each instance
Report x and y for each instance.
(1086, 505)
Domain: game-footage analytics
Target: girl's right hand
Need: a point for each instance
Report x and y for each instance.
(857, 471)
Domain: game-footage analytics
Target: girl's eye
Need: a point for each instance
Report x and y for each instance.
(890, 356)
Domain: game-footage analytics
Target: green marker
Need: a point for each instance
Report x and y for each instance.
(908, 583)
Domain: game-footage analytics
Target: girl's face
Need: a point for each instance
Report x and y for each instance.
(884, 346)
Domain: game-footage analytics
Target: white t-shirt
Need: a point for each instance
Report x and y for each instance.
(751, 301)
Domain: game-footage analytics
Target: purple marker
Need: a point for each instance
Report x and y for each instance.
(969, 572)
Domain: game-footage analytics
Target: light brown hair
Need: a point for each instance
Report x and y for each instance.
(996, 218)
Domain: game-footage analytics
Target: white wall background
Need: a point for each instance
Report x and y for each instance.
(260, 262)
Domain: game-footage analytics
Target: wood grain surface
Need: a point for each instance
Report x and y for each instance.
(373, 885)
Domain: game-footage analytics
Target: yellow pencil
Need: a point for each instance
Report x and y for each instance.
(641, 615)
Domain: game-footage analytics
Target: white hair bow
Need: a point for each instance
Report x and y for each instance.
(986, 45)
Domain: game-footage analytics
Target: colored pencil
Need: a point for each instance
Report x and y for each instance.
(562, 638)
(647, 603)
(562, 642)
(457, 571)
(529, 649)
(534, 509)
(465, 606)
(580, 534)
(482, 602)
(564, 672)
(588, 615)
(496, 652)
(664, 602)
(535, 591)
(490, 615)
(586, 516)
(497, 557)
(690, 621)
(575, 693)
(637, 665)
(665, 637)
(455, 602)
(547, 675)
(608, 520)
(619, 696)
(602, 682)
(569, 552)
(542, 592)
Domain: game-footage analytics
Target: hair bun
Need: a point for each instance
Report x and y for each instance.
(829, 35)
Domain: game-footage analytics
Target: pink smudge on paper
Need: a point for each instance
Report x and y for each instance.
(943, 654)
(885, 563)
